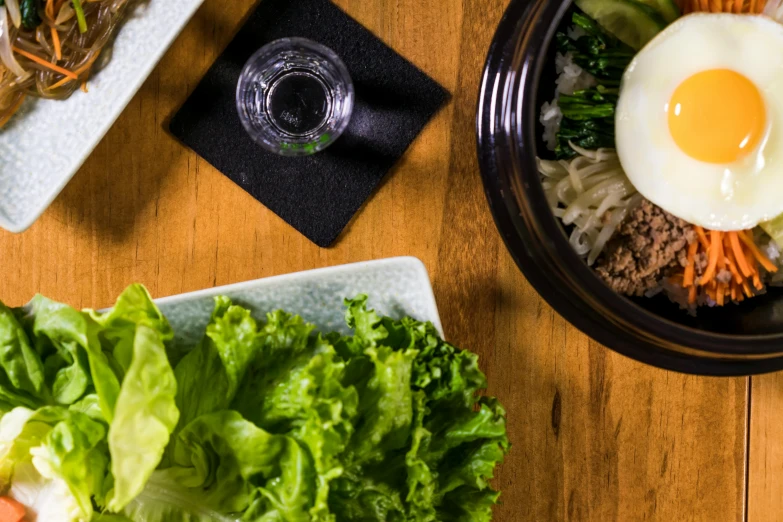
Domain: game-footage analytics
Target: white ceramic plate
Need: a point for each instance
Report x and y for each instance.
(397, 287)
(43, 146)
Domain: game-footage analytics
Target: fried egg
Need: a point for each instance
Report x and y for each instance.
(699, 122)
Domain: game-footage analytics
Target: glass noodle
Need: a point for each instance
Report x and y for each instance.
(21, 75)
(590, 192)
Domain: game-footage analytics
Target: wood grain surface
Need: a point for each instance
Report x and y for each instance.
(596, 436)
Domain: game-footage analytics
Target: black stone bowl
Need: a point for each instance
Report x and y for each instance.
(518, 77)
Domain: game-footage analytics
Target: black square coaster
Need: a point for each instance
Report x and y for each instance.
(318, 195)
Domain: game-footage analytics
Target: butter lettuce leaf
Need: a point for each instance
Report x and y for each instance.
(22, 380)
(69, 340)
(221, 360)
(134, 307)
(146, 414)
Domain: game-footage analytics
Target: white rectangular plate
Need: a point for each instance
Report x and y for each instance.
(43, 146)
(397, 287)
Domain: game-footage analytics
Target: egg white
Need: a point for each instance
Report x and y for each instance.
(731, 196)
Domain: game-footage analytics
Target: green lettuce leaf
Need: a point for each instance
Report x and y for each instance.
(69, 337)
(295, 387)
(164, 499)
(221, 360)
(237, 466)
(53, 460)
(75, 452)
(267, 423)
(146, 414)
(386, 406)
(22, 381)
(60, 334)
(134, 307)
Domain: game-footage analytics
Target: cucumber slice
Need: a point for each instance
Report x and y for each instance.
(774, 228)
(632, 22)
(668, 9)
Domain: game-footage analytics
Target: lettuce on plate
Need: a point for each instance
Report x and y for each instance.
(103, 417)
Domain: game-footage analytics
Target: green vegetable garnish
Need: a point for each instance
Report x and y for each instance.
(260, 421)
(588, 120)
(82, 21)
(588, 115)
(29, 11)
(597, 52)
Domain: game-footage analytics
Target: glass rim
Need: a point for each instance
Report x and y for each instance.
(300, 145)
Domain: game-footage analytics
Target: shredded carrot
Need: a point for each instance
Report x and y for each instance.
(712, 264)
(733, 271)
(720, 293)
(11, 510)
(84, 86)
(58, 50)
(760, 257)
(41, 61)
(722, 6)
(742, 263)
(690, 268)
(78, 71)
(732, 260)
(49, 10)
(702, 238)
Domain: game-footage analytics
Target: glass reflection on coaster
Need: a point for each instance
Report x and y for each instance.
(295, 97)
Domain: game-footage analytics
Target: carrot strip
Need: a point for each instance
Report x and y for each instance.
(732, 260)
(78, 71)
(11, 510)
(713, 259)
(702, 238)
(58, 50)
(762, 259)
(741, 261)
(41, 61)
(720, 293)
(711, 291)
(690, 268)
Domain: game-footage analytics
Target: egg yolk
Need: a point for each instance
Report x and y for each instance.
(717, 116)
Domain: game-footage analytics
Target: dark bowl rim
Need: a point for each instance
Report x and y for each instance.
(510, 81)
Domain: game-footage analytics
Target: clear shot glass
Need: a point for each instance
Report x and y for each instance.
(295, 97)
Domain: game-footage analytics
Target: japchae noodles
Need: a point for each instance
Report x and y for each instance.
(49, 47)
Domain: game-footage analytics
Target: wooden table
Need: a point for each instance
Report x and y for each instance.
(596, 436)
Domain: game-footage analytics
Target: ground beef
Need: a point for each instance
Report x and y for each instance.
(648, 244)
